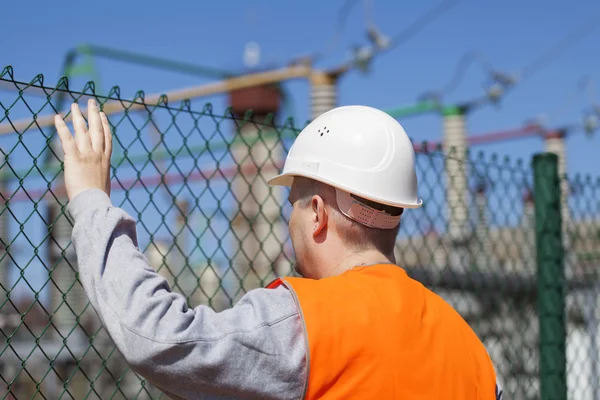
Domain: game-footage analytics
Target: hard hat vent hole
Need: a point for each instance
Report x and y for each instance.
(323, 130)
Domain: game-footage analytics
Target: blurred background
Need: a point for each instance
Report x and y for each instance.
(479, 88)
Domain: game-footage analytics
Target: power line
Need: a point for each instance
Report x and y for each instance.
(340, 25)
(341, 22)
(500, 82)
(586, 83)
(583, 84)
(468, 59)
(368, 13)
(380, 43)
(418, 25)
(548, 56)
(463, 65)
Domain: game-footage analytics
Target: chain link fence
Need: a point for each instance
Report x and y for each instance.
(195, 180)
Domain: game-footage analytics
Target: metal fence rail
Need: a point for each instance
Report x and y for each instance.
(503, 241)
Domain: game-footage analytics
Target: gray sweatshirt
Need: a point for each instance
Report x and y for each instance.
(254, 350)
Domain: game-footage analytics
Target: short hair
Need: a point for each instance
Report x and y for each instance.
(355, 234)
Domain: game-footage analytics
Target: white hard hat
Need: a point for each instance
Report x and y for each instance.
(360, 150)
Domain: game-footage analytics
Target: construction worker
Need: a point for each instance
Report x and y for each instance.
(355, 326)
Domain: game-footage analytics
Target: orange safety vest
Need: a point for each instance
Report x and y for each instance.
(375, 333)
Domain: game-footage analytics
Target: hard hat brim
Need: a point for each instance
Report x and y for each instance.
(287, 178)
(281, 180)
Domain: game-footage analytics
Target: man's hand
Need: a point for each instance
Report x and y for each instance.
(87, 155)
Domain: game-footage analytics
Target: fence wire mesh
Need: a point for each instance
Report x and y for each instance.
(195, 180)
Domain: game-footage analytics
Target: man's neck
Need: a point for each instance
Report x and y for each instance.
(356, 259)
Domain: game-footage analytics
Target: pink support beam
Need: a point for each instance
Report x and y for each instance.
(201, 175)
(491, 137)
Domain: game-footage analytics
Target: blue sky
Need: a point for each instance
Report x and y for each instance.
(35, 37)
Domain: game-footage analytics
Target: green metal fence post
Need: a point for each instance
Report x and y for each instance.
(550, 277)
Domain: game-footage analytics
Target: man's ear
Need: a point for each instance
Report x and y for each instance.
(320, 216)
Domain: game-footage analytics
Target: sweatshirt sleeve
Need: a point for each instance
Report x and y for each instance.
(255, 349)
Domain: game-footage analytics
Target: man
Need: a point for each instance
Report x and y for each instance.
(354, 327)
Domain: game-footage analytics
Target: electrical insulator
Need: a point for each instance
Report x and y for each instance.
(495, 92)
(361, 57)
(590, 123)
(504, 79)
(378, 40)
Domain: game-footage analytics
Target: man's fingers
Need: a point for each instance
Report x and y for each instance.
(107, 148)
(107, 135)
(96, 130)
(81, 136)
(68, 143)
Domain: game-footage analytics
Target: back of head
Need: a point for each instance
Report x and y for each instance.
(354, 234)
